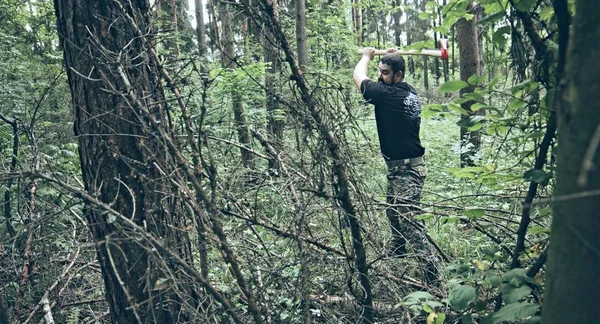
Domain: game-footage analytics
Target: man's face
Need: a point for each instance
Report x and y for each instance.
(386, 75)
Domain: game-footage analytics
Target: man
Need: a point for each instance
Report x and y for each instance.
(397, 114)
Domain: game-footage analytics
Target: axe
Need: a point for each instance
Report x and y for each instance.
(442, 52)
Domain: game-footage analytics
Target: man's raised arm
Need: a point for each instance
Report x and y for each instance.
(360, 71)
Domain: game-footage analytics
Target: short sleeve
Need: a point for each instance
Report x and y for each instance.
(373, 92)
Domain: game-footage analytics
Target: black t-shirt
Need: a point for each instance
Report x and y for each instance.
(397, 113)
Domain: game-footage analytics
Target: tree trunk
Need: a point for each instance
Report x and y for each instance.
(120, 158)
(275, 116)
(480, 30)
(574, 257)
(469, 65)
(444, 62)
(13, 167)
(436, 61)
(171, 43)
(200, 28)
(228, 56)
(357, 22)
(453, 42)
(425, 73)
(397, 17)
(301, 33)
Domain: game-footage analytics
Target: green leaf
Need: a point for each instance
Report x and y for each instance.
(436, 318)
(474, 213)
(513, 295)
(520, 86)
(474, 96)
(425, 15)
(441, 317)
(514, 312)
(475, 127)
(449, 219)
(460, 296)
(458, 109)
(493, 281)
(477, 106)
(492, 18)
(417, 45)
(453, 85)
(419, 295)
(433, 304)
(475, 79)
(548, 101)
(537, 176)
(514, 274)
(468, 172)
(498, 36)
(516, 104)
(466, 319)
(524, 5)
(424, 216)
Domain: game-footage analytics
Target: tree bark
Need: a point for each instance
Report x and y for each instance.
(397, 17)
(301, 33)
(275, 115)
(121, 159)
(573, 253)
(200, 28)
(469, 65)
(172, 31)
(13, 167)
(357, 22)
(425, 73)
(436, 61)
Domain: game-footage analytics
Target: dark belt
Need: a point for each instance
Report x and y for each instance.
(412, 161)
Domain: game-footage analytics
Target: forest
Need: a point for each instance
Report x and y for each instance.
(212, 161)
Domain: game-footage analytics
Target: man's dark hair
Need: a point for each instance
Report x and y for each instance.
(396, 62)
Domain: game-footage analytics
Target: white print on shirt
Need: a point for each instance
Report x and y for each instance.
(413, 105)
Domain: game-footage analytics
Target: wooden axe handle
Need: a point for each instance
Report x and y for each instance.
(436, 53)
(442, 52)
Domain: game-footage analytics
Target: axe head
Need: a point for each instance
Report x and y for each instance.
(444, 48)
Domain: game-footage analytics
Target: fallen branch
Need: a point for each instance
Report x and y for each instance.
(52, 287)
(47, 310)
(350, 303)
(83, 302)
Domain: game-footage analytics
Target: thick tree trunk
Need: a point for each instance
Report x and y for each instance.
(469, 65)
(239, 115)
(200, 28)
(574, 256)
(120, 158)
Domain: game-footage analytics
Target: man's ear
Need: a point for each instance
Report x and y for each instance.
(398, 76)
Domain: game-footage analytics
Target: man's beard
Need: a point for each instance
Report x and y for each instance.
(380, 79)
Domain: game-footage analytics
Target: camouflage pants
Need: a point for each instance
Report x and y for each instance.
(405, 182)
